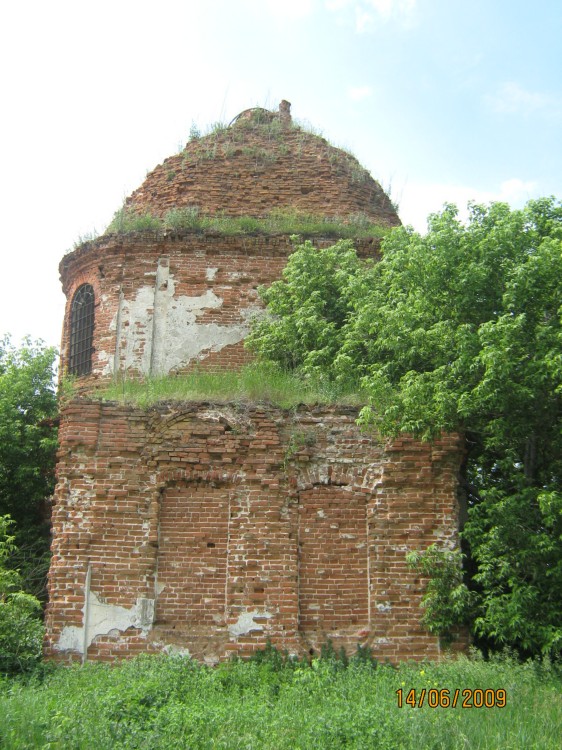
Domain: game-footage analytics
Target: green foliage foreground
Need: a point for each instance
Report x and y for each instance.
(456, 330)
(28, 444)
(21, 630)
(171, 702)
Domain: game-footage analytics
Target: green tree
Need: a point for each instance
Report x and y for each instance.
(21, 631)
(460, 329)
(307, 309)
(28, 439)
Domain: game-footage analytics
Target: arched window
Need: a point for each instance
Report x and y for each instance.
(81, 331)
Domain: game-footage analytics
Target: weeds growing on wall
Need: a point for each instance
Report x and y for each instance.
(227, 141)
(125, 221)
(252, 384)
(279, 221)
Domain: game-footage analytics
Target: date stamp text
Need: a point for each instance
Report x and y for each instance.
(467, 698)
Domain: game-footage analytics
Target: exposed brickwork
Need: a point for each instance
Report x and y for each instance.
(239, 524)
(333, 562)
(213, 528)
(138, 279)
(260, 163)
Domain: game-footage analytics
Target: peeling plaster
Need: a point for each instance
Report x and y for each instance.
(106, 360)
(105, 618)
(177, 651)
(160, 332)
(246, 623)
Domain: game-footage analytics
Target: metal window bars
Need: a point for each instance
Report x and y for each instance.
(81, 331)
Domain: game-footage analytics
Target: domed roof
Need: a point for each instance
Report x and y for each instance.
(260, 163)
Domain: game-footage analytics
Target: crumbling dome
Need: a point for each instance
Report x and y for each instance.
(261, 162)
(167, 291)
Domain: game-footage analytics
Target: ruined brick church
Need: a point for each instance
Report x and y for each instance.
(211, 528)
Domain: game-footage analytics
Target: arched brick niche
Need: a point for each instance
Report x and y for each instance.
(333, 565)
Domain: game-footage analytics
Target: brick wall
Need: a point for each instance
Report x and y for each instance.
(214, 527)
(169, 302)
(250, 169)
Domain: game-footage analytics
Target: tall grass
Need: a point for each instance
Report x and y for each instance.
(252, 384)
(280, 221)
(171, 702)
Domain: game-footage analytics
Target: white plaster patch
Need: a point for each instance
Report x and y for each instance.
(136, 328)
(210, 273)
(105, 618)
(160, 332)
(187, 341)
(384, 607)
(177, 651)
(251, 312)
(71, 639)
(104, 357)
(246, 623)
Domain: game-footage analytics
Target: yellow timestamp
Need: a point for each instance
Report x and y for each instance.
(467, 698)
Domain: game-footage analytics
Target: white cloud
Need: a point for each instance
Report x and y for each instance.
(383, 7)
(291, 10)
(516, 191)
(511, 98)
(367, 14)
(334, 5)
(359, 93)
(418, 200)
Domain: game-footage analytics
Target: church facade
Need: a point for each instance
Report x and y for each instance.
(212, 528)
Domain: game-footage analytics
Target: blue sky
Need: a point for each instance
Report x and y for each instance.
(442, 100)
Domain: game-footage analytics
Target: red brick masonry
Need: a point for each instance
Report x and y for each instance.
(212, 528)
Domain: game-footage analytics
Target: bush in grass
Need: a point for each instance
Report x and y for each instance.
(21, 631)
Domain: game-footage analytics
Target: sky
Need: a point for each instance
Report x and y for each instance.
(441, 100)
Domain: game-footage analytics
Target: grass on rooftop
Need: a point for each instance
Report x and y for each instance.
(255, 383)
(276, 222)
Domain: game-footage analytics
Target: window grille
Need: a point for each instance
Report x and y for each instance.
(81, 331)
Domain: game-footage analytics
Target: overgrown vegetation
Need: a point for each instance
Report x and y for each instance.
(21, 630)
(224, 141)
(220, 139)
(252, 384)
(28, 443)
(447, 601)
(272, 703)
(276, 222)
(459, 329)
